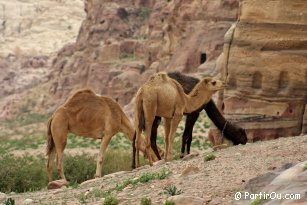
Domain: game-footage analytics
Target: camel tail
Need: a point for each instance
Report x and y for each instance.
(140, 115)
(50, 142)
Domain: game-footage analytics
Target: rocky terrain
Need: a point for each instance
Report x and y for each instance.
(119, 44)
(197, 181)
(50, 48)
(31, 33)
(34, 28)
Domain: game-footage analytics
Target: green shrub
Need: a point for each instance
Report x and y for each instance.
(258, 201)
(110, 200)
(209, 157)
(145, 201)
(28, 173)
(144, 178)
(79, 168)
(172, 190)
(21, 174)
(10, 201)
(305, 167)
(169, 202)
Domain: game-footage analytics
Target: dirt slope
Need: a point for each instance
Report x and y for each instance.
(214, 182)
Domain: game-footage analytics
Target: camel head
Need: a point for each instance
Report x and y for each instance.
(211, 84)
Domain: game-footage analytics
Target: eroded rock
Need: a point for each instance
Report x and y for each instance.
(57, 184)
(184, 200)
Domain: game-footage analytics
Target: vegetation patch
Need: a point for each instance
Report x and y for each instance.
(144, 178)
(28, 173)
(209, 157)
(26, 119)
(258, 201)
(23, 143)
(169, 202)
(110, 200)
(20, 174)
(10, 201)
(172, 190)
(145, 201)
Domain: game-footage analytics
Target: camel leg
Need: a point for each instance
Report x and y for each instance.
(148, 126)
(187, 134)
(153, 137)
(167, 126)
(149, 116)
(100, 159)
(60, 151)
(137, 148)
(59, 131)
(170, 138)
(51, 158)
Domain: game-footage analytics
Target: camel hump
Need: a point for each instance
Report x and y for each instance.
(84, 91)
(159, 76)
(79, 94)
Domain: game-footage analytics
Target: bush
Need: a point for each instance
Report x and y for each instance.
(110, 200)
(169, 202)
(10, 201)
(28, 173)
(22, 173)
(172, 190)
(209, 157)
(79, 168)
(145, 201)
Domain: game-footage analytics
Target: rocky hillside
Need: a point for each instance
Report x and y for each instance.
(31, 32)
(121, 43)
(118, 45)
(31, 28)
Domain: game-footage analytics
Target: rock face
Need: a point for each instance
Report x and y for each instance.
(120, 43)
(264, 64)
(287, 187)
(38, 28)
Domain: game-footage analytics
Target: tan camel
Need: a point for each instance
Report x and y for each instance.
(89, 115)
(162, 96)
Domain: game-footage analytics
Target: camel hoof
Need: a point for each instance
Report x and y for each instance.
(96, 177)
(57, 184)
(181, 155)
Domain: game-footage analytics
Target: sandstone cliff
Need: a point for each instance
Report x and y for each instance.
(264, 64)
(120, 43)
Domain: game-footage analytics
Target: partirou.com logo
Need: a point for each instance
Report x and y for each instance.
(266, 196)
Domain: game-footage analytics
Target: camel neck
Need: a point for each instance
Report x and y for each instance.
(196, 100)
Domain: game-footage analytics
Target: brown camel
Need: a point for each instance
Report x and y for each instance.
(162, 96)
(229, 130)
(89, 115)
